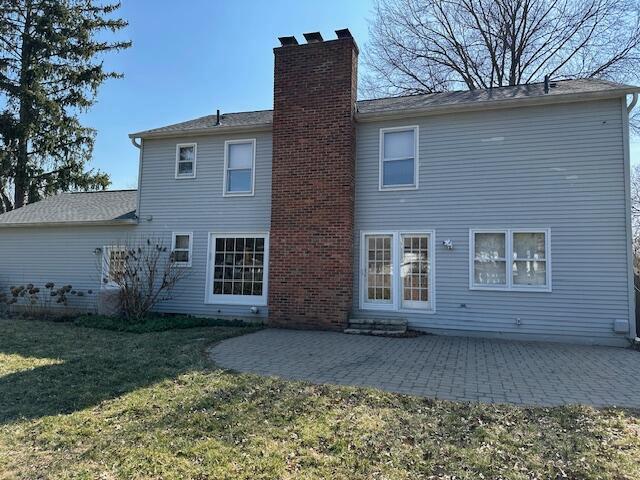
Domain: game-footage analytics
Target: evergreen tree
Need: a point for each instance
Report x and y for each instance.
(50, 71)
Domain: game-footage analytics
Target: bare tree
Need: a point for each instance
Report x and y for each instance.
(424, 46)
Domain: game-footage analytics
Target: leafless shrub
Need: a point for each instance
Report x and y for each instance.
(144, 272)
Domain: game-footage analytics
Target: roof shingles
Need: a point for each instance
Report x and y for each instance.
(263, 118)
(76, 208)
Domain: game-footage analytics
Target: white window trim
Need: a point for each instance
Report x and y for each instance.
(252, 300)
(173, 247)
(381, 159)
(508, 232)
(251, 193)
(396, 304)
(106, 260)
(195, 158)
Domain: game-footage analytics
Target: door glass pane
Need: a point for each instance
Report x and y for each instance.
(415, 270)
(529, 272)
(379, 271)
(529, 246)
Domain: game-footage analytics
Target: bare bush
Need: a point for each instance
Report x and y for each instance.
(144, 272)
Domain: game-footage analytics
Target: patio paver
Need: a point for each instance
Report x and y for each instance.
(453, 368)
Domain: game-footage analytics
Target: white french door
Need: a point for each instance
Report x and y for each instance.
(397, 271)
(378, 252)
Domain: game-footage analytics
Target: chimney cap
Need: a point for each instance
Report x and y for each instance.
(344, 33)
(288, 41)
(313, 37)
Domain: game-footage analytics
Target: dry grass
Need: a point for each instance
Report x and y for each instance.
(87, 403)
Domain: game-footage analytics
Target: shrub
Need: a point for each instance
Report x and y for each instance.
(145, 275)
(32, 299)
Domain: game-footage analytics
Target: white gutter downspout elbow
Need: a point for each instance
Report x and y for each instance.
(634, 100)
(139, 145)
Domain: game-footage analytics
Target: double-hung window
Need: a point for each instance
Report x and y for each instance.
(510, 259)
(238, 269)
(186, 160)
(239, 167)
(181, 248)
(398, 158)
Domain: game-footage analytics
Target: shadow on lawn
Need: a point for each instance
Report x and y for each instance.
(96, 365)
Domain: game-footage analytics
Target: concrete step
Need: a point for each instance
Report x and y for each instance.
(377, 326)
(380, 333)
(379, 321)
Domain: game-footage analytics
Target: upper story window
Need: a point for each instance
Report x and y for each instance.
(186, 160)
(239, 167)
(510, 260)
(181, 248)
(399, 158)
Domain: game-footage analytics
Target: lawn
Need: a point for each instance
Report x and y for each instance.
(79, 402)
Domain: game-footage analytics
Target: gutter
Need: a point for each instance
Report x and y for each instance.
(88, 223)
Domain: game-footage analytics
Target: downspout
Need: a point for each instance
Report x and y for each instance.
(139, 147)
(634, 100)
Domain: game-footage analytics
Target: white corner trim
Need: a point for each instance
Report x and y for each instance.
(195, 160)
(227, 143)
(416, 158)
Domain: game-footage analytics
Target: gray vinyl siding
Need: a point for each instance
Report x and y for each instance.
(62, 255)
(559, 167)
(197, 205)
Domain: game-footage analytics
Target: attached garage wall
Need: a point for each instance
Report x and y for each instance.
(64, 256)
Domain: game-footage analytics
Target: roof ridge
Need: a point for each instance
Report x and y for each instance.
(105, 191)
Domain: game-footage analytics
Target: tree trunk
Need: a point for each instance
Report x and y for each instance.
(21, 180)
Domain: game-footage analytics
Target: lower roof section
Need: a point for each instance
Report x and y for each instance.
(76, 208)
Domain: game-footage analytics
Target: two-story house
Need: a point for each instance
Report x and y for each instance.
(501, 212)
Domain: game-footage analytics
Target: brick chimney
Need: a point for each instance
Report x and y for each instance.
(312, 204)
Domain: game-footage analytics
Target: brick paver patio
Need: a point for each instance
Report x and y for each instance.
(454, 368)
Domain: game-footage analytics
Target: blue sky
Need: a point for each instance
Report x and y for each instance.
(192, 57)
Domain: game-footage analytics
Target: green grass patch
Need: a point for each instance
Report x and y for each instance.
(153, 323)
(84, 403)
